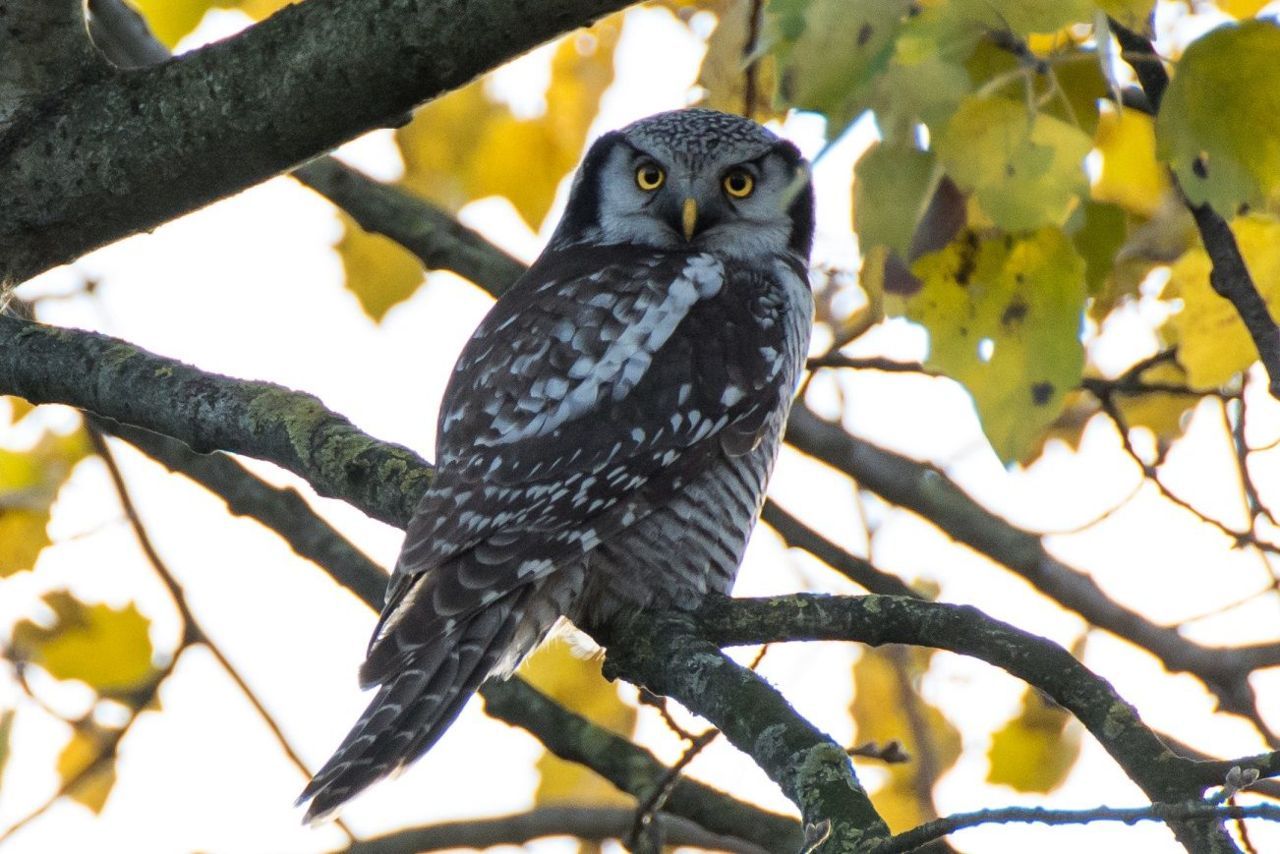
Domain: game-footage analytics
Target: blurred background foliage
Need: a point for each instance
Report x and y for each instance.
(1016, 202)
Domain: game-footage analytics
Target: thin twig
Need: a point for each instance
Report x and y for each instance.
(193, 633)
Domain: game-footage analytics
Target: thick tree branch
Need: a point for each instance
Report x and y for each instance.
(209, 412)
(42, 49)
(133, 148)
(1163, 776)
(596, 824)
(439, 240)
(664, 652)
(929, 492)
(1230, 275)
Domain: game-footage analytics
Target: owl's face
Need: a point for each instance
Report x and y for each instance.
(693, 179)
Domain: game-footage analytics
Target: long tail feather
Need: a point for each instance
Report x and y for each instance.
(412, 710)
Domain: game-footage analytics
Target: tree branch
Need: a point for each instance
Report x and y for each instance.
(119, 381)
(633, 769)
(1230, 275)
(936, 498)
(439, 240)
(595, 824)
(665, 652)
(282, 510)
(1163, 776)
(133, 148)
(917, 837)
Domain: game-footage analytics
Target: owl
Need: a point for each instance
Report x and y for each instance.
(607, 433)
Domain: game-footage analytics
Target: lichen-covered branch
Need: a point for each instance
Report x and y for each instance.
(666, 652)
(208, 412)
(633, 769)
(929, 492)
(1163, 776)
(124, 150)
(42, 48)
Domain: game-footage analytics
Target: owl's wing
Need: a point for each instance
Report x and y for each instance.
(604, 380)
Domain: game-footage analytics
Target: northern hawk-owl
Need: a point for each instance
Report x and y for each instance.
(607, 433)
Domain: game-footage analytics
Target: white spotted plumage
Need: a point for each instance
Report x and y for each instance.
(608, 431)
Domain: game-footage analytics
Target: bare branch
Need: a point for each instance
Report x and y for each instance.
(1230, 275)
(925, 833)
(928, 491)
(283, 511)
(595, 824)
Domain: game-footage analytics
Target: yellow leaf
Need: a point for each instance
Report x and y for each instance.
(258, 9)
(379, 271)
(6, 730)
(1003, 316)
(18, 408)
(170, 20)
(1161, 412)
(891, 188)
(1026, 170)
(29, 483)
(1242, 8)
(1130, 176)
(731, 76)
(579, 685)
(87, 745)
(107, 648)
(888, 707)
(464, 146)
(1034, 751)
(1213, 345)
(1219, 122)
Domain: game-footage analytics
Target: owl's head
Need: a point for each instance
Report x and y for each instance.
(694, 179)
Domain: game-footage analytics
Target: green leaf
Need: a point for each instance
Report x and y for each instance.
(1004, 316)
(891, 188)
(727, 66)
(1035, 750)
(1219, 123)
(829, 52)
(1024, 17)
(1025, 169)
(107, 648)
(1102, 231)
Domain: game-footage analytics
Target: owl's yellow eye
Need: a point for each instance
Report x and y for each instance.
(650, 177)
(739, 183)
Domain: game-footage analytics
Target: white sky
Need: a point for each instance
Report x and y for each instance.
(250, 287)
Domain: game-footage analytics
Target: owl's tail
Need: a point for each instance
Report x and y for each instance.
(415, 705)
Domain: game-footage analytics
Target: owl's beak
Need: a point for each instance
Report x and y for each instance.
(689, 217)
